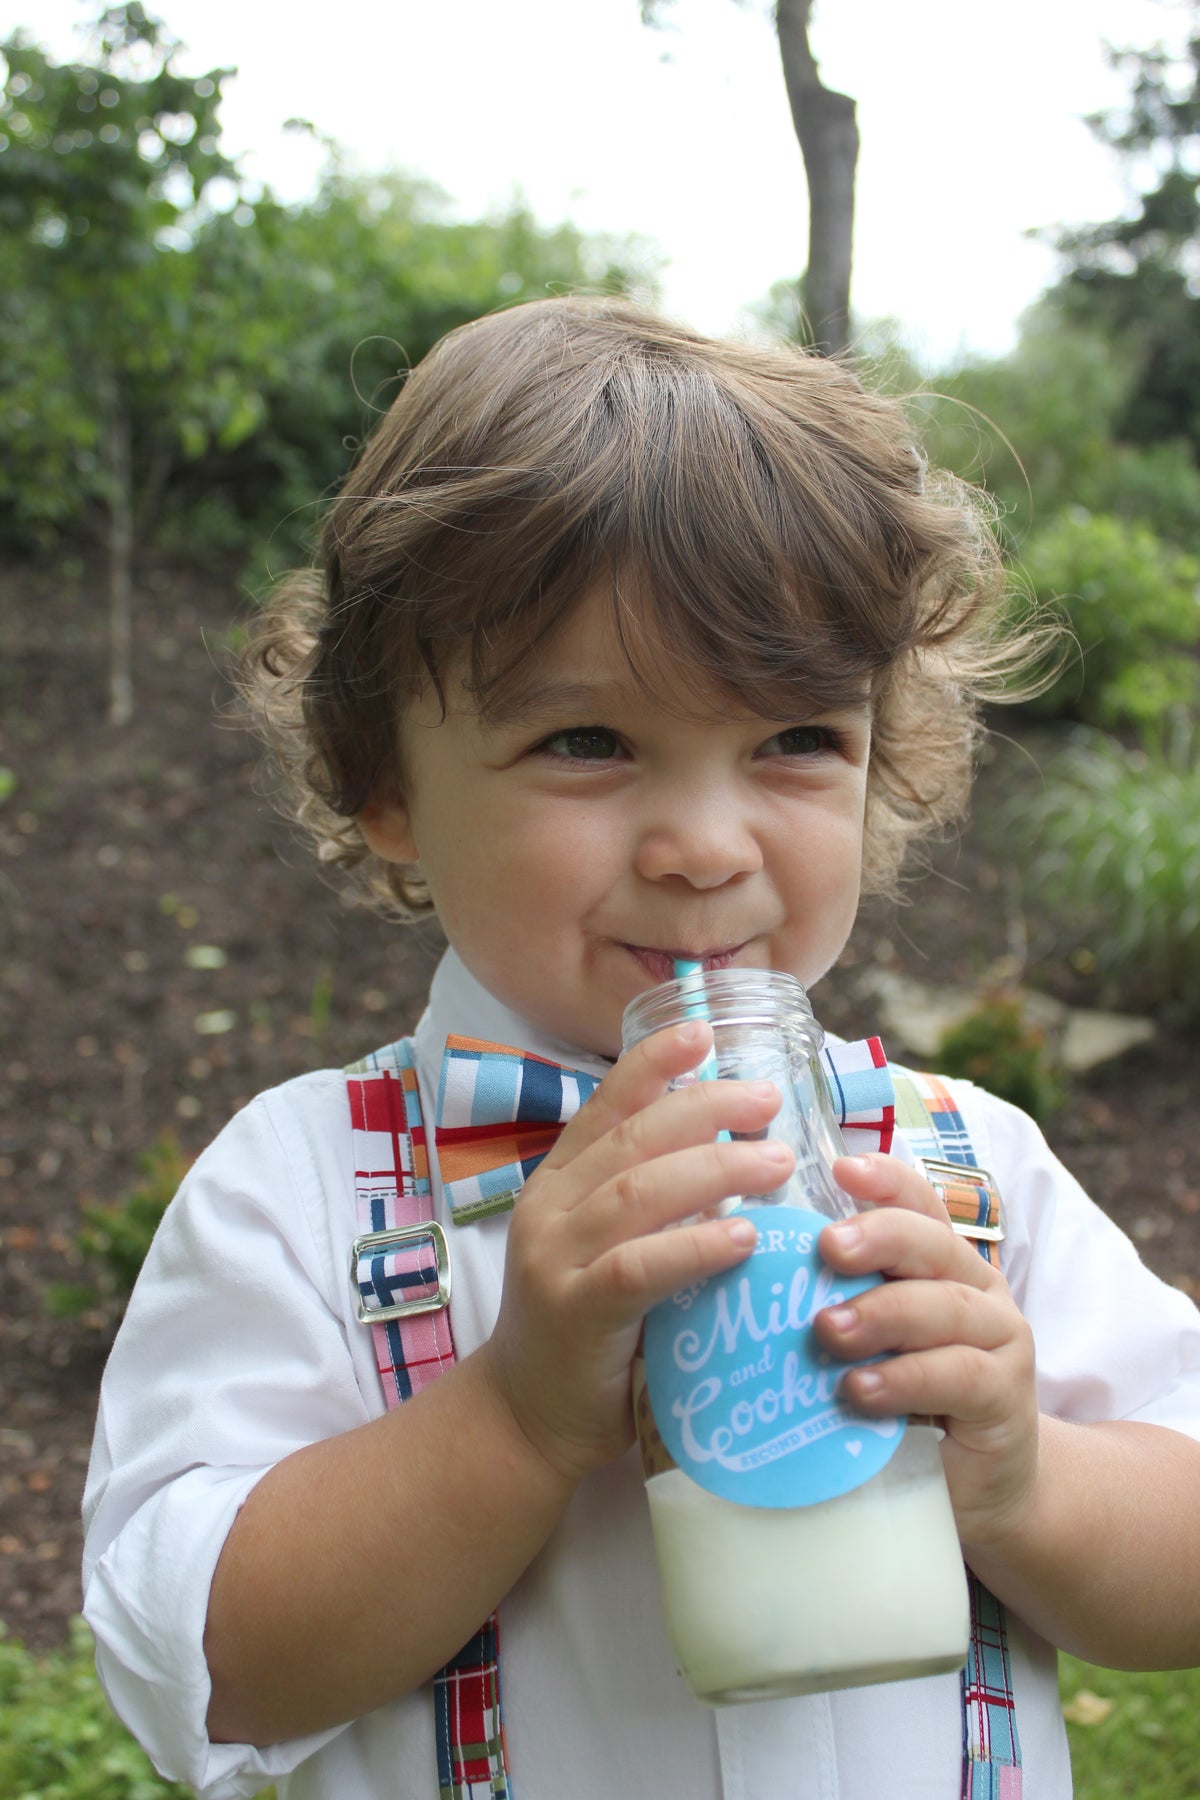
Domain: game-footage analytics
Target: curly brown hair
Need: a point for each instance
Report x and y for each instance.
(769, 523)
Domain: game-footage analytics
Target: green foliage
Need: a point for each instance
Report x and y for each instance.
(339, 298)
(1133, 603)
(238, 346)
(104, 171)
(1133, 276)
(115, 1237)
(119, 1234)
(1132, 1735)
(58, 1739)
(1112, 845)
(999, 1047)
(1040, 428)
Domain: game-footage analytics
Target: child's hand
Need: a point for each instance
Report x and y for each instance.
(587, 1252)
(963, 1351)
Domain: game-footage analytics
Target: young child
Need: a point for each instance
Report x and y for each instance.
(626, 646)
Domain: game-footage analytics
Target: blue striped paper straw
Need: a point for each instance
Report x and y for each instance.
(696, 1009)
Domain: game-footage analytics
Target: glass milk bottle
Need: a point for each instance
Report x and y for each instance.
(801, 1546)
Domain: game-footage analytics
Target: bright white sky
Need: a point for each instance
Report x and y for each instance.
(971, 115)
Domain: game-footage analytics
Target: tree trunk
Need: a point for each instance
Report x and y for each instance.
(825, 126)
(120, 558)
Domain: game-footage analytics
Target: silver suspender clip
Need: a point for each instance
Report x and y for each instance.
(946, 1177)
(373, 1242)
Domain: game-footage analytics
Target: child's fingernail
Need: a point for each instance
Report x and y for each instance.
(868, 1381)
(846, 1235)
(842, 1318)
(742, 1231)
(861, 1163)
(763, 1090)
(774, 1153)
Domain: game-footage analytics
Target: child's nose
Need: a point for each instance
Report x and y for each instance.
(703, 838)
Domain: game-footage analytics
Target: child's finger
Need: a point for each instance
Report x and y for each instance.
(974, 1388)
(639, 1272)
(631, 1084)
(880, 1180)
(905, 1245)
(902, 1316)
(696, 1115)
(669, 1186)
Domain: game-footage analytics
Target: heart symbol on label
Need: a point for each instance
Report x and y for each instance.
(855, 1446)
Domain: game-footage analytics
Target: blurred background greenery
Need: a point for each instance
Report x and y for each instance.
(182, 380)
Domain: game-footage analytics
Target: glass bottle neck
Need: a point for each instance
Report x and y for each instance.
(742, 998)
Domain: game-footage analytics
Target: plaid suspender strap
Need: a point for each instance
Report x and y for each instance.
(928, 1116)
(400, 1269)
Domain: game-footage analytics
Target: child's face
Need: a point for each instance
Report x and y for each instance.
(579, 844)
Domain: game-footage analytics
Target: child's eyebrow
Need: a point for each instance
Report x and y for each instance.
(551, 699)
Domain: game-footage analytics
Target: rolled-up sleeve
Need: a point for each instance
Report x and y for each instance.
(233, 1353)
(1113, 1341)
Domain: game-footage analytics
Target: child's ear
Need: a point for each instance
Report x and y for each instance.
(388, 832)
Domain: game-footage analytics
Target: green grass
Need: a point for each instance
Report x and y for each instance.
(1133, 1737)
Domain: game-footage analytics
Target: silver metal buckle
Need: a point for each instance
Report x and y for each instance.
(939, 1174)
(371, 1242)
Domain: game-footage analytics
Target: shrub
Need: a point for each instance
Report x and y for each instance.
(115, 1237)
(1112, 844)
(997, 1046)
(1132, 603)
(58, 1739)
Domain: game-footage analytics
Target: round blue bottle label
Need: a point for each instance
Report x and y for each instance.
(743, 1394)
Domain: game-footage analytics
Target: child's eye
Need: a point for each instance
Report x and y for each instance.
(802, 740)
(582, 743)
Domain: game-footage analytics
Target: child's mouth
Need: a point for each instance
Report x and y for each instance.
(660, 964)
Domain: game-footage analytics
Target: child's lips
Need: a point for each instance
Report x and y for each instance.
(660, 964)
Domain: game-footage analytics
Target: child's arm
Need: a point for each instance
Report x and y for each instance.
(1088, 1531)
(441, 1505)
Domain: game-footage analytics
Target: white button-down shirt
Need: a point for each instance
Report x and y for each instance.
(241, 1345)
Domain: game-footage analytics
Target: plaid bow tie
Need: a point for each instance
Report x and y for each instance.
(500, 1110)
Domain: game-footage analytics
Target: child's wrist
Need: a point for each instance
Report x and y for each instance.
(528, 1454)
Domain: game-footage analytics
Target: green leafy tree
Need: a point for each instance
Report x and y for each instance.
(104, 167)
(1041, 427)
(338, 297)
(1135, 276)
(190, 367)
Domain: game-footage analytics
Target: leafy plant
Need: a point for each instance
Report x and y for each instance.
(1113, 849)
(58, 1739)
(999, 1047)
(1133, 603)
(115, 1237)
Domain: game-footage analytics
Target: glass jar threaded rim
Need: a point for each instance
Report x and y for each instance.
(729, 997)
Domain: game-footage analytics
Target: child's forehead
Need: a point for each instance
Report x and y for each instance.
(605, 656)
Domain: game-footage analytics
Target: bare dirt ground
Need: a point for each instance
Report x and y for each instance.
(124, 853)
